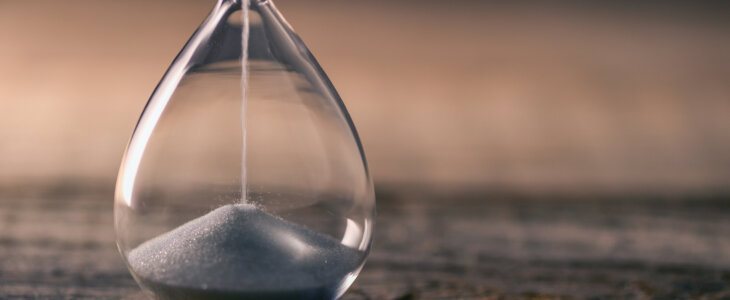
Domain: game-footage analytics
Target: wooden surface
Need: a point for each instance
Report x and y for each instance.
(58, 244)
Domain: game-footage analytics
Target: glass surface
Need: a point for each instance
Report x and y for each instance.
(245, 177)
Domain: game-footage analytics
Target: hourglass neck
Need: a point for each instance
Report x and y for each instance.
(239, 2)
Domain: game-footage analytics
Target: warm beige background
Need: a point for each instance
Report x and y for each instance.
(454, 93)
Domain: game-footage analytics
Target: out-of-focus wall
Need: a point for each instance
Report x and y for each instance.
(457, 93)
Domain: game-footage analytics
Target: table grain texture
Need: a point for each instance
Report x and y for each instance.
(58, 243)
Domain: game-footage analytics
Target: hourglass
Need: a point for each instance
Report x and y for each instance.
(245, 177)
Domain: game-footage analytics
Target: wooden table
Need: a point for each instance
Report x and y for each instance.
(57, 243)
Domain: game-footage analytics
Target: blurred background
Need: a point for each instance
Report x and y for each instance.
(517, 112)
(467, 93)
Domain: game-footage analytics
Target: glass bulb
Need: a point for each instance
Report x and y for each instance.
(245, 177)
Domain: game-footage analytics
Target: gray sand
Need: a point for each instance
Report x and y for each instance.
(240, 248)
